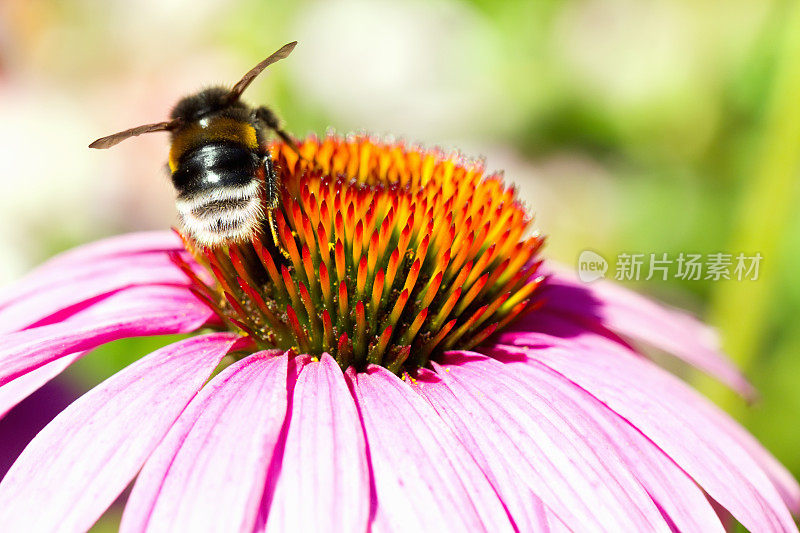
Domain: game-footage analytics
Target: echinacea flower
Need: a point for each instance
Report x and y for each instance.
(401, 360)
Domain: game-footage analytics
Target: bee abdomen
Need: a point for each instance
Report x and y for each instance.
(214, 165)
(221, 220)
(219, 193)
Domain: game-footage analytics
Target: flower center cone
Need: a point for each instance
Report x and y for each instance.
(386, 255)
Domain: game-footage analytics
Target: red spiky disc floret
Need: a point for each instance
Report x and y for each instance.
(387, 255)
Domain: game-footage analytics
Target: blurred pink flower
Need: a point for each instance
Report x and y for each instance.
(555, 422)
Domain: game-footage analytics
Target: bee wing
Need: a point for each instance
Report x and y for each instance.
(111, 140)
(281, 53)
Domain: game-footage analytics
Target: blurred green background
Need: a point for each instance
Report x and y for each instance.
(649, 126)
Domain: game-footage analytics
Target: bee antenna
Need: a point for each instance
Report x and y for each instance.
(248, 78)
(116, 138)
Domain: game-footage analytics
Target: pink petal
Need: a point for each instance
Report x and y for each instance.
(675, 494)
(564, 333)
(137, 312)
(117, 246)
(23, 386)
(424, 479)
(80, 462)
(783, 481)
(478, 433)
(545, 329)
(210, 471)
(60, 303)
(325, 458)
(564, 455)
(690, 430)
(54, 294)
(633, 316)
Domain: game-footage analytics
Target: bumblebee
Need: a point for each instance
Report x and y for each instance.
(219, 162)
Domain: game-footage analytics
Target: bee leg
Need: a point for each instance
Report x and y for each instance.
(271, 181)
(272, 200)
(274, 230)
(270, 119)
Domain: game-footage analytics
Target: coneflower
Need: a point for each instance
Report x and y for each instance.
(388, 257)
(399, 357)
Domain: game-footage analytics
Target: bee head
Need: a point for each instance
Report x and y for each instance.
(206, 102)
